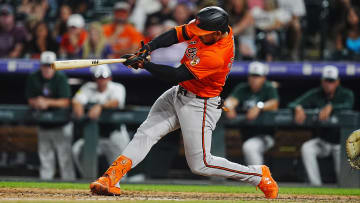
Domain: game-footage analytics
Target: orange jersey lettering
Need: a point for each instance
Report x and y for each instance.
(209, 64)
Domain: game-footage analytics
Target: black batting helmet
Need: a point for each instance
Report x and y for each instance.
(210, 19)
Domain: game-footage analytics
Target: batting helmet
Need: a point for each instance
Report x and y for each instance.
(208, 20)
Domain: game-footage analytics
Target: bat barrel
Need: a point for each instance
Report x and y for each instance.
(83, 63)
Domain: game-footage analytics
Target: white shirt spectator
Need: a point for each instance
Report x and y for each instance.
(266, 19)
(295, 7)
(88, 94)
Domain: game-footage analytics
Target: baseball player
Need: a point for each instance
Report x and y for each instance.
(330, 97)
(101, 94)
(253, 97)
(193, 105)
(49, 89)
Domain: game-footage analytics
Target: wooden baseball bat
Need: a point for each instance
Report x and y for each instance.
(83, 63)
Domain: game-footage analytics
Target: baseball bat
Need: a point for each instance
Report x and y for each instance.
(82, 63)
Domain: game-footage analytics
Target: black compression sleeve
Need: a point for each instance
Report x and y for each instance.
(164, 40)
(168, 73)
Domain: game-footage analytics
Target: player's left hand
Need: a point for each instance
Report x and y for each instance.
(133, 61)
(253, 113)
(325, 113)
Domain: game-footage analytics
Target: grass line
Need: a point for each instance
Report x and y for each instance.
(188, 188)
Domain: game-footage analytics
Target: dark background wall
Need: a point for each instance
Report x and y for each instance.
(145, 90)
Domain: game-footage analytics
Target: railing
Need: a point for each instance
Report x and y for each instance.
(277, 69)
(347, 121)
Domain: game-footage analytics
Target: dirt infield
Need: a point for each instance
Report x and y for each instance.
(67, 195)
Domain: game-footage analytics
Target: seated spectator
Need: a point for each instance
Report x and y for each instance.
(330, 98)
(49, 89)
(96, 45)
(35, 9)
(41, 41)
(122, 36)
(297, 10)
(99, 95)
(269, 21)
(252, 98)
(348, 40)
(74, 39)
(12, 36)
(61, 23)
(241, 21)
(182, 14)
(164, 14)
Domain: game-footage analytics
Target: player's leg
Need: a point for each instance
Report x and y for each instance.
(62, 141)
(160, 121)
(255, 147)
(46, 154)
(310, 151)
(198, 119)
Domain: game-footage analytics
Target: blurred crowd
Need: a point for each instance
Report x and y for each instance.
(264, 29)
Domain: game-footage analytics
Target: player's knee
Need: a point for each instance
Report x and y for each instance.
(199, 167)
(199, 170)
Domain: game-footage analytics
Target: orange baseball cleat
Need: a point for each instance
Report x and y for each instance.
(267, 184)
(106, 184)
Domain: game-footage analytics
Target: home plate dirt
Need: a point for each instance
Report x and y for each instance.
(69, 194)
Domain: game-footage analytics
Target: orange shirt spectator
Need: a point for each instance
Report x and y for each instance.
(122, 36)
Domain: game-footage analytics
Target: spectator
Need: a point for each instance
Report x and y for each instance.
(96, 45)
(297, 10)
(48, 89)
(254, 97)
(269, 21)
(140, 10)
(122, 36)
(12, 37)
(242, 23)
(61, 23)
(41, 41)
(331, 97)
(74, 39)
(182, 14)
(165, 13)
(347, 41)
(35, 9)
(99, 95)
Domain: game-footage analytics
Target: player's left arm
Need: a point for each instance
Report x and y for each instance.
(168, 73)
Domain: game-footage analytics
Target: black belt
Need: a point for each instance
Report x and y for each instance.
(184, 92)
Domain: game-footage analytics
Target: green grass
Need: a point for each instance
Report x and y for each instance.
(189, 188)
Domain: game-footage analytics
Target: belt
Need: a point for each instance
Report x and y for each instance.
(187, 93)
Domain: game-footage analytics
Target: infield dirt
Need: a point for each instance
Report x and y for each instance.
(18, 194)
